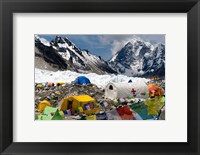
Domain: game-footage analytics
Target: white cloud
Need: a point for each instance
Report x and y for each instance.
(117, 42)
(118, 45)
(153, 38)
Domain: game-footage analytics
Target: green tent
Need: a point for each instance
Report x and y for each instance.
(50, 113)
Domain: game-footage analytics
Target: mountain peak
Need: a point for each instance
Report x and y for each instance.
(139, 58)
(74, 58)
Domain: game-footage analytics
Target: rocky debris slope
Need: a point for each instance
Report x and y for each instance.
(126, 108)
(56, 93)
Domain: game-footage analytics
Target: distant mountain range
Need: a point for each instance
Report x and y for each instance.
(136, 58)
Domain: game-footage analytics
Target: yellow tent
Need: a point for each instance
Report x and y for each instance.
(42, 105)
(60, 83)
(87, 103)
(39, 86)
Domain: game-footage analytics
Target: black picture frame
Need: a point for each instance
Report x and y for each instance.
(8, 7)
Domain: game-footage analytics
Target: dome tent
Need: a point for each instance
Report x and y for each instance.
(82, 80)
(120, 90)
(42, 105)
(83, 102)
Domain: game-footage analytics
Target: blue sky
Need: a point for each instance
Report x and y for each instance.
(106, 45)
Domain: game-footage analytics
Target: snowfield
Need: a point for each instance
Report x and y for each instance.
(68, 76)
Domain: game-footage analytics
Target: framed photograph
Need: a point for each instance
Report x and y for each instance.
(99, 77)
(122, 78)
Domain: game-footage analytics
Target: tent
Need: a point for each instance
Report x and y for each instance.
(155, 90)
(42, 105)
(119, 90)
(82, 80)
(60, 83)
(50, 113)
(85, 102)
(130, 81)
(50, 84)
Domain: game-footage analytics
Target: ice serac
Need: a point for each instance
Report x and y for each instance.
(74, 59)
(139, 58)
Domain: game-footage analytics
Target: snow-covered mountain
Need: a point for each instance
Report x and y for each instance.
(63, 54)
(139, 58)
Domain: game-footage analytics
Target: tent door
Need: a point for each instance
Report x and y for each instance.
(69, 104)
(111, 87)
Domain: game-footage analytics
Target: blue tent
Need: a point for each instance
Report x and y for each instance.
(82, 80)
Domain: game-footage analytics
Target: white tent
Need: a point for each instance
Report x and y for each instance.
(120, 90)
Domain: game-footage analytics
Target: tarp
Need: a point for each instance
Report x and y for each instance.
(125, 113)
(155, 104)
(113, 115)
(119, 90)
(82, 80)
(141, 109)
(137, 116)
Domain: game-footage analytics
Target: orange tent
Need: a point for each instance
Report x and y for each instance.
(154, 90)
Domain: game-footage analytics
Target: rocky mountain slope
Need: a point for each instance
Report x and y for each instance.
(139, 58)
(61, 53)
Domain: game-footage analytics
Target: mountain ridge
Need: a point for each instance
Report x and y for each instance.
(74, 58)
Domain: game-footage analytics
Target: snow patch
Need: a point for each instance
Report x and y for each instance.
(65, 55)
(43, 41)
